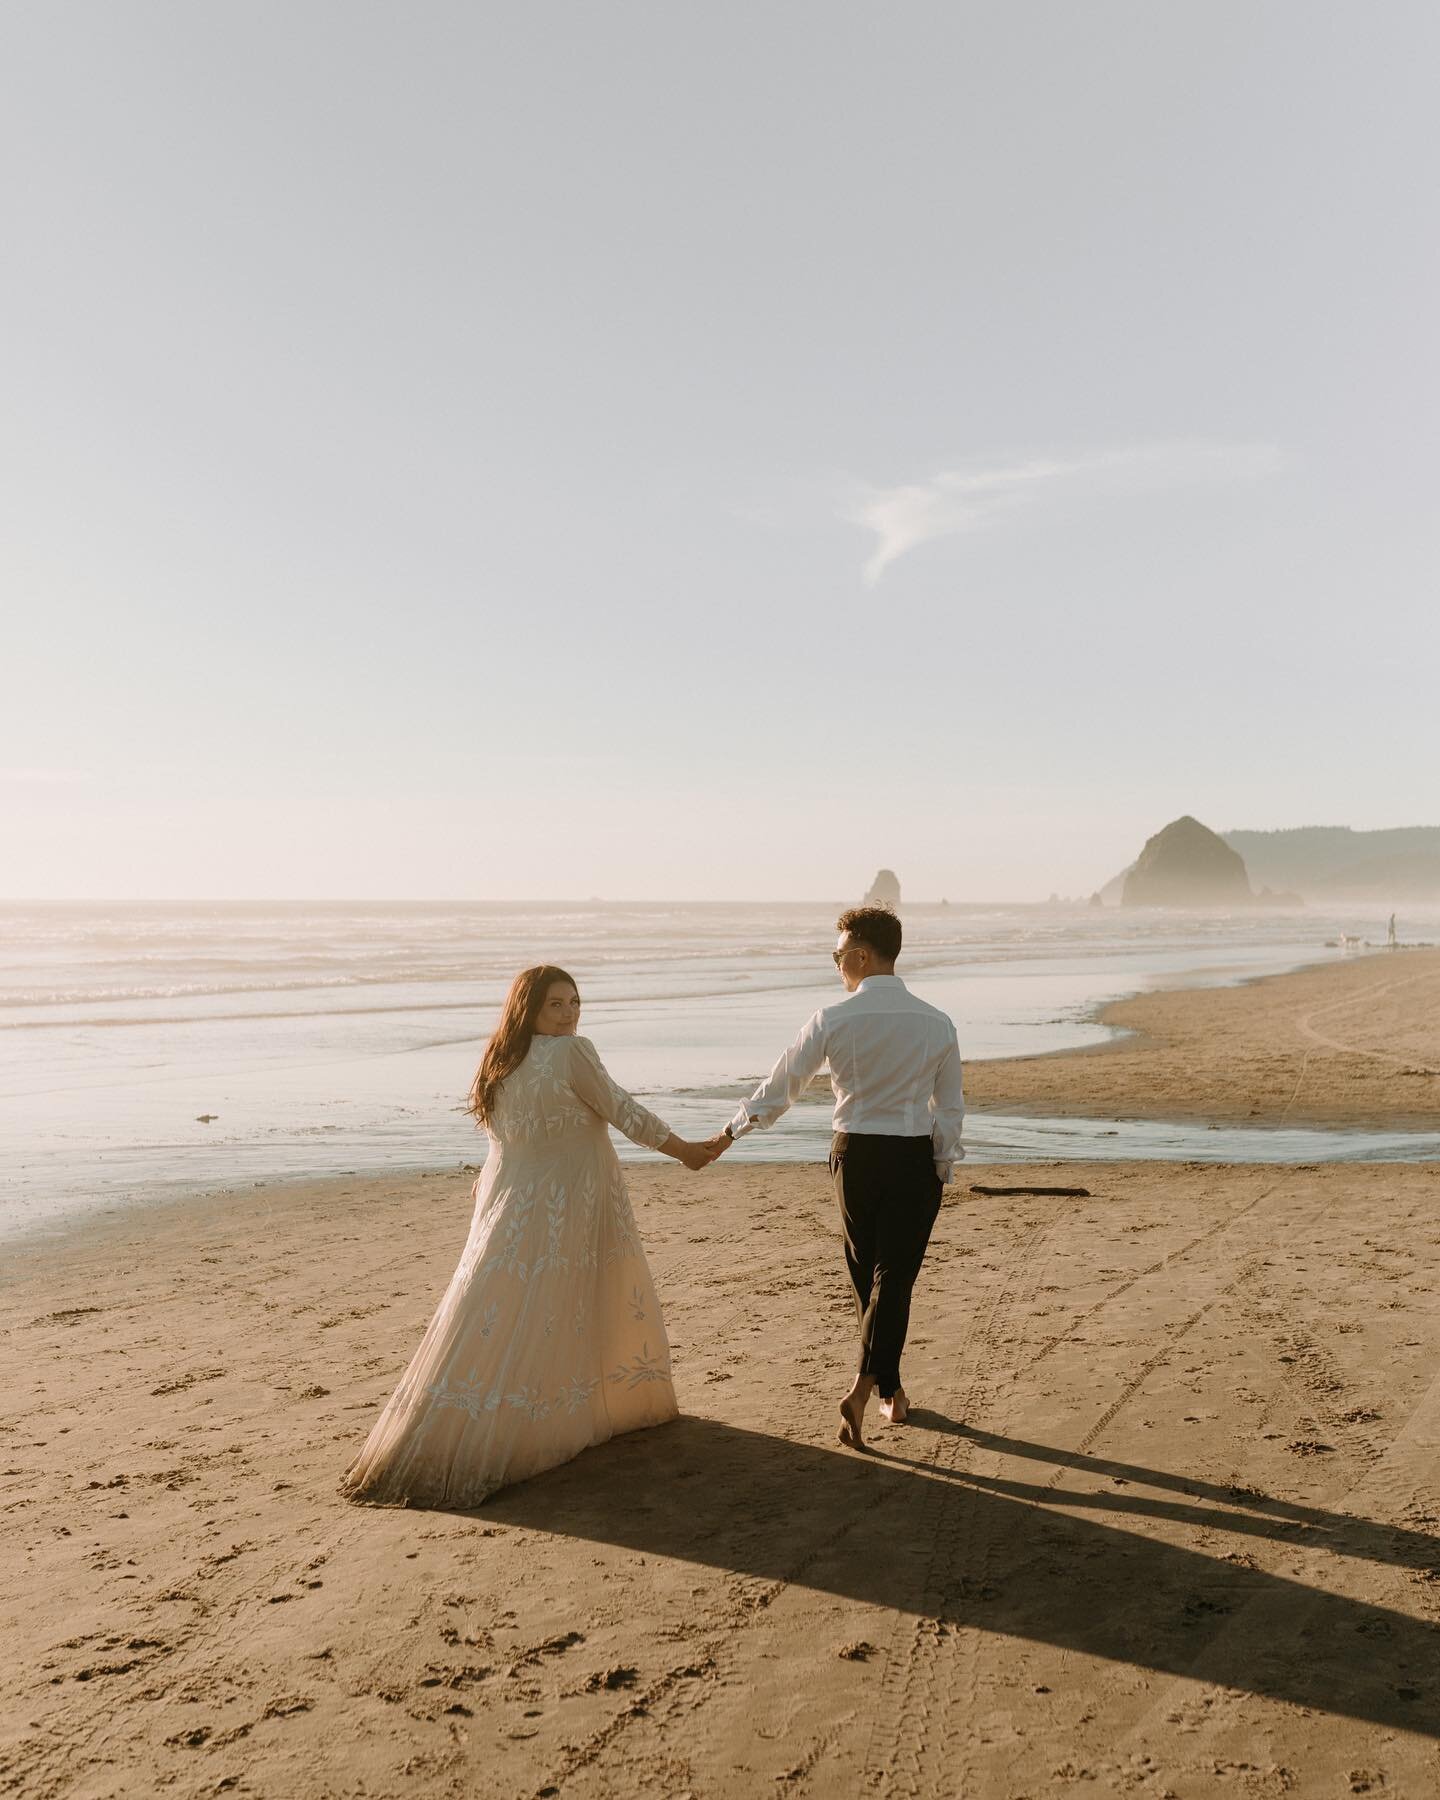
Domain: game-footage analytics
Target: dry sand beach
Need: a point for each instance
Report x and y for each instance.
(1167, 1521)
(1350, 1043)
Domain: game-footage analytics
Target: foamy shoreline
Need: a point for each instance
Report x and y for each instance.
(684, 1003)
(1231, 1063)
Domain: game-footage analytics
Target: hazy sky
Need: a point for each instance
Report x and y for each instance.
(517, 450)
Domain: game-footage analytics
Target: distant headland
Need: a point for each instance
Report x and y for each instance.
(1187, 864)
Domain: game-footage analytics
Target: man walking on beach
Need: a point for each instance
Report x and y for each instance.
(895, 1067)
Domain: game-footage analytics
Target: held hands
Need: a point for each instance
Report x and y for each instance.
(700, 1156)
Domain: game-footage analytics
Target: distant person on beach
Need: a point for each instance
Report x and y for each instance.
(899, 1106)
(549, 1337)
(1391, 941)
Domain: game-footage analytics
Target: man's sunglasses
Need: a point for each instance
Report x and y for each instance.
(838, 956)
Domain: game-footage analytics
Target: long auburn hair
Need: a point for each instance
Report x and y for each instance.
(510, 1044)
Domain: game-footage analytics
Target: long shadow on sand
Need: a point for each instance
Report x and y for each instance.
(937, 1542)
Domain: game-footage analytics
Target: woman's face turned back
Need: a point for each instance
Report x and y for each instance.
(559, 1014)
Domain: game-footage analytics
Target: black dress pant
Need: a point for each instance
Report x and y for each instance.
(889, 1198)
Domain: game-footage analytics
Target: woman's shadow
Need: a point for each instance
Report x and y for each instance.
(902, 1532)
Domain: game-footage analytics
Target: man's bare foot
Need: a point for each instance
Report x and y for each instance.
(897, 1408)
(852, 1414)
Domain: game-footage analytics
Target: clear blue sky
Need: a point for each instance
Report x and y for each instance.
(650, 451)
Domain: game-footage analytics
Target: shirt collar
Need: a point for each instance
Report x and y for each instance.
(879, 981)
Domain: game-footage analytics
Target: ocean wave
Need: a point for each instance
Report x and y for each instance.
(819, 1089)
(20, 999)
(111, 1021)
(484, 993)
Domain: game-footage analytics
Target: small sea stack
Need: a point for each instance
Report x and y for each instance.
(884, 890)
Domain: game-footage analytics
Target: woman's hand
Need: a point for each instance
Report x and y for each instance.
(694, 1156)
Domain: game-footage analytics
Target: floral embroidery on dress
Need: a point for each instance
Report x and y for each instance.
(470, 1395)
(578, 1394)
(530, 1401)
(643, 1367)
(624, 1244)
(556, 1211)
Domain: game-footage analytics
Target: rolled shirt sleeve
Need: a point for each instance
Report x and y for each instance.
(786, 1081)
(592, 1084)
(947, 1107)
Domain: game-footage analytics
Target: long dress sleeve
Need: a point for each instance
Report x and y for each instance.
(592, 1084)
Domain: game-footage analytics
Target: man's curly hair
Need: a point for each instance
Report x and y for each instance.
(876, 926)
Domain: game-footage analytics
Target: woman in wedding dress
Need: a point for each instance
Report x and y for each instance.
(549, 1337)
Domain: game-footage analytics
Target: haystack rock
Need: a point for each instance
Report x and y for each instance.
(884, 890)
(1187, 864)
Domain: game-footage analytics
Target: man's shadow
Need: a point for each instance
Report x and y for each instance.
(895, 1530)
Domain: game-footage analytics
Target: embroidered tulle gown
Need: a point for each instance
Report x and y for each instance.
(549, 1337)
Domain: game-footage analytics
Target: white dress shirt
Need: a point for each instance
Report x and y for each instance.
(894, 1064)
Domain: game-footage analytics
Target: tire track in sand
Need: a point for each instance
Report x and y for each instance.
(1304, 1025)
(917, 1686)
(923, 1740)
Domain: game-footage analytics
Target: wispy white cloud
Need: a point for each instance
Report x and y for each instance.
(969, 498)
(40, 777)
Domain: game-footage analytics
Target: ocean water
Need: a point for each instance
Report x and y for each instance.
(150, 1048)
